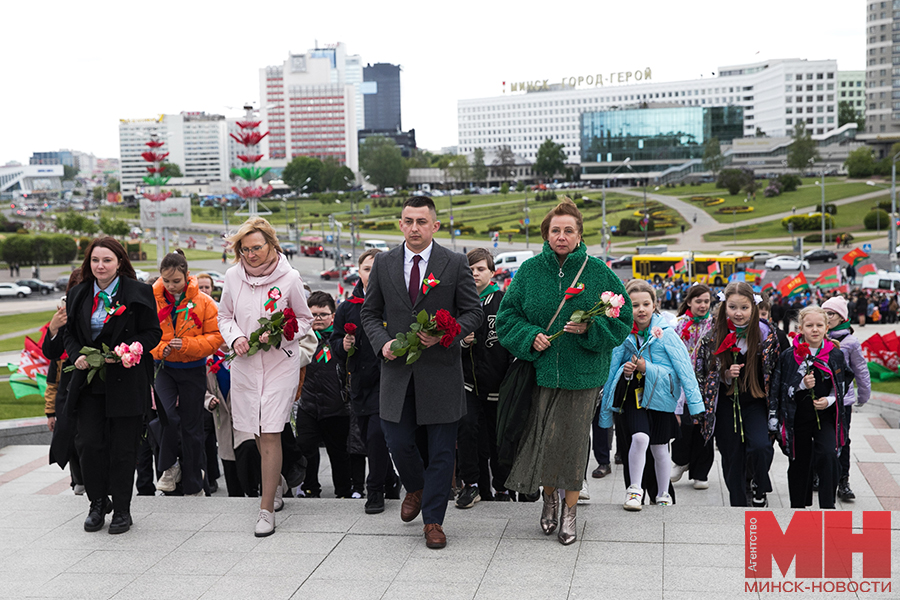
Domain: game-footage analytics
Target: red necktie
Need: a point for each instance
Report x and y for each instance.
(414, 280)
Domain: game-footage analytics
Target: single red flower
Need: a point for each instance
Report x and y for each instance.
(214, 365)
(196, 319)
(290, 327)
(447, 340)
(350, 329)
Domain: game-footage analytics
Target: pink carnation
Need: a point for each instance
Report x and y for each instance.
(136, 348)
(656, 332)
(127, 360)
(122, 349)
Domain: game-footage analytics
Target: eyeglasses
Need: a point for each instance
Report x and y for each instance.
(321, 316)
(253, 250)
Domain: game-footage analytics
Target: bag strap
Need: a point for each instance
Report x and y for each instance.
(574, 281)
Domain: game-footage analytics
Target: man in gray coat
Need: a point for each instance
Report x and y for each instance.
(429, 393)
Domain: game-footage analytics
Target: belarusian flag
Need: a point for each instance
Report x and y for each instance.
(843, 289)
(768, 286)
(793, 285)
(760, 273)
(829, 278)
(713, 268)
(855, 256)
(681, 266)
(671, 273)
(869, 268)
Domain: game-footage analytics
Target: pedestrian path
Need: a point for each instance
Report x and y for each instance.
(195, 548)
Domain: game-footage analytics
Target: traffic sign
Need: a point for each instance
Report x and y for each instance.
(329, 238)
(867, 248)
(456, 232)
(527, 221)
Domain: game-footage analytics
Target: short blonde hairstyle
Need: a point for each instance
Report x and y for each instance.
(566, 208)
(638, 286)
(253, 225)
(812, 310)
(206, 276)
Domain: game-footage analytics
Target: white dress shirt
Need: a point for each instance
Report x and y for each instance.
(425, 255)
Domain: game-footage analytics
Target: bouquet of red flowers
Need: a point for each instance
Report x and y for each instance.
(442, 323)
(281, 325)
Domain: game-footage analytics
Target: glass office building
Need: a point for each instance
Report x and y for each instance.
(654, 138)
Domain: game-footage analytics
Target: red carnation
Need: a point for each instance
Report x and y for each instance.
(290, 324)
(196, 319)
(350, 329)
(214, 366)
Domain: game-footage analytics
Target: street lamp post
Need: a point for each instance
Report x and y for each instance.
(603, 196)
(892, 237)
(812, 161)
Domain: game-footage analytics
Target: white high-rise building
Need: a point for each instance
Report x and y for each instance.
(196, 142)
(774, 94)
(312, 105)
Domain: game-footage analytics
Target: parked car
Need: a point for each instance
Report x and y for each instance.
(37, 286)
(820, 255)
(289, 247)
(791, 263)
(352, 276)
(61, 283)
(334, 273)
(218, 279)
(13, 290)
(761, 256)
(621, 262)
(141, 275)
(733, 253)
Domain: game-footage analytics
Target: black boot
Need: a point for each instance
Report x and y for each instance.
(844, 491)
(121, 522)
(97, 514)
(815, 482)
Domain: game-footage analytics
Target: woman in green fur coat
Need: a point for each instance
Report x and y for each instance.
(570, 370)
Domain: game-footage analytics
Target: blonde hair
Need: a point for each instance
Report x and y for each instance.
(253, 225)
(812, 310)
(638, 286)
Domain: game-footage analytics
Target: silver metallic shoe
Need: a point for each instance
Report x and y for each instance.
(550, 514)
(566, 533)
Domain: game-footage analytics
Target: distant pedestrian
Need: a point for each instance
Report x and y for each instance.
(682, 228)
(12, 269)
(695, 217)
(224, 256)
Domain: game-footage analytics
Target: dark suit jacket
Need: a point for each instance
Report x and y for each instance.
(127, 390)
(387, 311)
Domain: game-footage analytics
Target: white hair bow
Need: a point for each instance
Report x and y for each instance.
(721, 296)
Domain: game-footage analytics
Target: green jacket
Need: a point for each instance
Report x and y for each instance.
(573, 362)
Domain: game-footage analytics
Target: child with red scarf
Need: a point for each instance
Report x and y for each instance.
(808, 385)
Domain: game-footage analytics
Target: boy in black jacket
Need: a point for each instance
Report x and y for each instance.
(485, 363)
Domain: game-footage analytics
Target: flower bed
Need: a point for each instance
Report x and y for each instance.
(714, 201)
(734, 210)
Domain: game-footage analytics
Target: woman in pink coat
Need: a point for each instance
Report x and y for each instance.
(263, 386)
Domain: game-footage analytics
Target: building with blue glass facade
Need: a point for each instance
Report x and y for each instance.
(654, 140)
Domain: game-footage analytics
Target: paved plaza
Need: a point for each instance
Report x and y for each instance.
(190, 548)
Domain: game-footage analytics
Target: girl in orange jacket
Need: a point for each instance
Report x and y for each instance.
(189, 322)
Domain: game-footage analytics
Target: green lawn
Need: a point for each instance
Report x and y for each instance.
(891, 386)
(26, 406)
(25, 321)
(711, 189)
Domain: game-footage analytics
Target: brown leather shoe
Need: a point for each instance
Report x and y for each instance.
(434, 536)
(411, 506)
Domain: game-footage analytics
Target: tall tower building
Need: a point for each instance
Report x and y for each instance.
(381, 95)
(882, 75)
(312, 105)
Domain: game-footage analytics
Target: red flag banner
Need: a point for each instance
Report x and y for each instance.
(855, 256)
(869, 268)
(878, 352)
(713, 268)
(671, 272)
(794, 285)
(843, 289)
(681, 266)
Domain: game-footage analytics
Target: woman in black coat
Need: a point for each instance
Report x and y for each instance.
(109, 307)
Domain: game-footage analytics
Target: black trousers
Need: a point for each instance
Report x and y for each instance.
(108, 449)
(333, 431)
(601, 439)
(145, 473)
(248, 469)
(814, 451)
(232, 481)
(690, 450)
(476, 448)
(752, 456)
(844, 457)
(179, 401)
(381, 475)
(210, 447)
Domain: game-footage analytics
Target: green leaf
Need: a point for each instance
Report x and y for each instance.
(401, 337)
(411, 338)
(577, 316)
(91, 374)
(413, 357)
(95, 360)
(415, 327)
(400, 351)
(102, 371)
(105, 348)
(87, 350)
(253, 350)
(422, 318)
(254, 338)
(351, 351)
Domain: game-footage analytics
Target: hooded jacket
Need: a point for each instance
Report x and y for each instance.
(858, 367)
(321, 393)
(198, 340)
(485, 361)
(572, 362)
(668, 372)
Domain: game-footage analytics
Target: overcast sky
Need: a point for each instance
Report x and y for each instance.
(70, 70)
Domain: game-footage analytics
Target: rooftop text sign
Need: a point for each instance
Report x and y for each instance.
(580, 81)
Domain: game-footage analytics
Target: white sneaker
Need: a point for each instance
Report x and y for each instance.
(78, 489)
(664, 500)
(279, 494)
(633, 497)
(584, 496)
(677, 472)
(169, 478)
(265, 523)
(700, 484)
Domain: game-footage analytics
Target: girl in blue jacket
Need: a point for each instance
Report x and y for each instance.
(647, 375)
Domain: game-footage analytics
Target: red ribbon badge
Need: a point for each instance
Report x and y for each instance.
(428, 283)
(574, 291)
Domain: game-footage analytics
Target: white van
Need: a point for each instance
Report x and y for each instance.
(379, 244)
(511, 261)
(883, 281)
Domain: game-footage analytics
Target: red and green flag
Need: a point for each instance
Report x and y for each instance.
(829, 278)
(324, 354)
(713, 268)
(769, 286)
(843, 289)
(681, 266)
(855, 256)
(671, 273)
(869, 268)
(793, 285)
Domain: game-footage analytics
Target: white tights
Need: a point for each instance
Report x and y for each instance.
(637, 458)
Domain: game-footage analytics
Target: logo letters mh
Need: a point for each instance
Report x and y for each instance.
(821, 544)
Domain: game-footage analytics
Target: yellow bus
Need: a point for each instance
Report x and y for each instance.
(655, 267)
